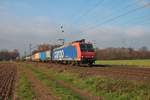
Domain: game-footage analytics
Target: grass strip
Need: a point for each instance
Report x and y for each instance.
(57, 89)
(139, 63)
(24, 90)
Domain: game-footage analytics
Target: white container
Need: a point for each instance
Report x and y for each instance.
(48, 55)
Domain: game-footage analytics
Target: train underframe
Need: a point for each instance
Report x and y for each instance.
(89, 61)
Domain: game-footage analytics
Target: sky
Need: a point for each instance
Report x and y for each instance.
(106, 23)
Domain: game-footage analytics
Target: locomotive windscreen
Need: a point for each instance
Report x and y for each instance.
(87, 47)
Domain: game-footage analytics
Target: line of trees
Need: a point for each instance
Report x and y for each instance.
(44, 47)
(122, 53)
(9, 55)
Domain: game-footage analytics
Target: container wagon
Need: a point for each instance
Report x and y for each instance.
(48, 55)
(36, 57)
(42, 56)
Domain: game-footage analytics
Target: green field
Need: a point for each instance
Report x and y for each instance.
(145, 63)
(23, 87)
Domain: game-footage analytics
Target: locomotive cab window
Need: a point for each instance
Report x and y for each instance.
(87, 47)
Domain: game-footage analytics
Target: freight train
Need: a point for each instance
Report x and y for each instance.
(77, 52)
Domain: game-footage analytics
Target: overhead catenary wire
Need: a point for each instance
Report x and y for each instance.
(138, 20)
(115, 18)
(111, 15)
(119, 16)
(124, 14)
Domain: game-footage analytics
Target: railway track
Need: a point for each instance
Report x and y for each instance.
(7, 77)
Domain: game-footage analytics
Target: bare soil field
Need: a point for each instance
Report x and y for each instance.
(7, 80)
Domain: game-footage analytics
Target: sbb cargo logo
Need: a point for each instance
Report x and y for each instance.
(59, 54)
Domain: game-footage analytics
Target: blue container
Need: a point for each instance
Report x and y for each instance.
(65, 53)
(42, 56)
